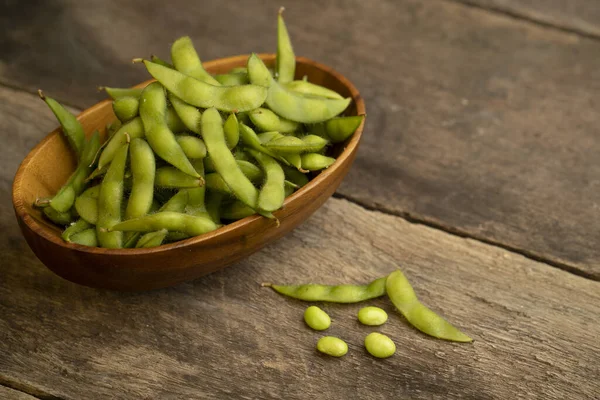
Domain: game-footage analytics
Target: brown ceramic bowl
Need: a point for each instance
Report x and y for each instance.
(50, 163)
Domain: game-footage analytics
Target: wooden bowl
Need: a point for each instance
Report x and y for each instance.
(50, 163)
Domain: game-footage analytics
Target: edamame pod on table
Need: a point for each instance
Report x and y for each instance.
(172, 221)
(285, 58)
(403, 296)
(162, 140)
(223, 160)
(272, 192)
(200, 94)
(126, 108)
(71, 127)
(110, 199)
(333, 294)
(186, 60)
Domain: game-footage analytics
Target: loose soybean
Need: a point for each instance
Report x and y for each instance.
(316, 318)
(332, 346)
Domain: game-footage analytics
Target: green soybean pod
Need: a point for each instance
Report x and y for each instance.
(285, 59)
(251, 140)
(223, 160)
(86, 204)
(156, 59)
(316, 318)
(110, 199)
(315, 161)
(333, 294)
(287, 126)
(288, 189)
(71, 127)
(117, 93)
(186, 60)
(236, 210)
(131, 130)
(78, 226)
(87, 237)
(233, 79)
(341, 128)
(178, 202)
(379, 345)
(143, 169)
(332, 346)
(292, 144)
(258, 73)
(189, 115)
(213, 202)
(272, 192)
(126, 108)
(58, 217)
(152, 239)
(170, 177)
(266, 137)
(311, 89)
(264, 119)
(403, 296)
(174, 123)
(192, 146)
(231, 129)
(162, 140)
(295, 176)
(372, 316)
(196, 197)
(200, 94)
(172, 221)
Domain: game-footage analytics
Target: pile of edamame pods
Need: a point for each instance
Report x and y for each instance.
(192, 151)
(400, 292)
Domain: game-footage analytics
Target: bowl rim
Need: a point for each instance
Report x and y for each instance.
(349, 148)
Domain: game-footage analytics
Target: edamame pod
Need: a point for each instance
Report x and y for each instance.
(233, 79)
(251, 140)
(341, 128)
(79, 226)
(86, 204)
(110, 199)
(189, 115)
(71, 127)
(186, 60)
(155, 59)
(126, 108)
(272, 192)
(162, 140)
(223, 160)
(236, 210)
(87, 237)
(117, 93)
(172, 221)
(59, 218)
(169, 177)
(295, 176)
(403, 296)
(231, 129)
(152, 239)
(292, 144)
(333, 294)
(143, 166)
(213, 204)
(311, 89)
(200, 94)
(196, 196)
(264, 119)
(285, 58)
(316, 162)
(192, 146)
(128, 131)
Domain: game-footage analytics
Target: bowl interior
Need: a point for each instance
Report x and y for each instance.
(51, 162)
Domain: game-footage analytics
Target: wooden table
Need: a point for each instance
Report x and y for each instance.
(478, 176)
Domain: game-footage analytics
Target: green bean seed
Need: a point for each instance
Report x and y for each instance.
(310, 89)
(403, 296)
(86, 238)
(157, 60)
(233, 79)
(223, 160)
(316, 162)
(379, 345)
(200, 94)
(127, 132)
(117, 93)
(333, 294)
(189, 115)
(332, 346)
(169, 177)
(186, 60)
(372, 316)
(152, 239)
(110, 199)
(126, 108)
(341, 128)
(86, 204)
(71, 127)
(285, 59)
(231, 129)
(143, 166)
(192, 146)
(292, 144)
(272, 192)
(264, 119)
(290, 105)
(76, 227)
(316, 318)
(172, 221)
(162, 140)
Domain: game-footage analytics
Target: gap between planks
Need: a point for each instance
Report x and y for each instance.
(27, 389)
(420, 219)
(520, 17)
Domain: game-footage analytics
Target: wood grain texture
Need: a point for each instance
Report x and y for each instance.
(223, 336)
(11, 394)
(477, 123)
(580, 16)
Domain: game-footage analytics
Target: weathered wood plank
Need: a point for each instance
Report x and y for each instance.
(10, 394)
(224, 336)
(581, 16)
(476, 122)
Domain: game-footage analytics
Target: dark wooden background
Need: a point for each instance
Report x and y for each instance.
(478, 175)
